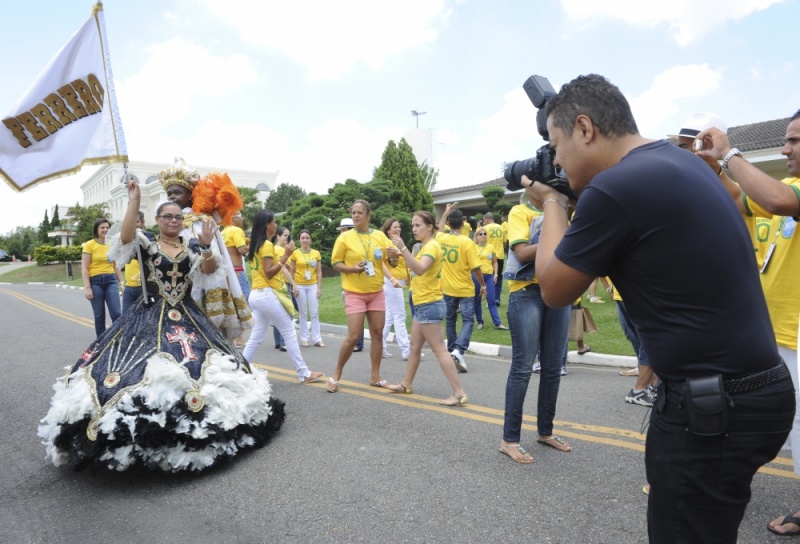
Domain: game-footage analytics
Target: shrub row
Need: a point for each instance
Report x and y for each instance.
(56, 254)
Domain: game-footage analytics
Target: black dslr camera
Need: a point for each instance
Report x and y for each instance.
(540, 167)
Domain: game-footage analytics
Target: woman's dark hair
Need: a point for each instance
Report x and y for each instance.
(278, 233)
(388, 224)
(164, 205)
(428, 219)
(306, 231)
(97, 224)
(259, 233)
(364, 204)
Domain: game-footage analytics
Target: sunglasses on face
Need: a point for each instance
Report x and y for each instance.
(170, 217)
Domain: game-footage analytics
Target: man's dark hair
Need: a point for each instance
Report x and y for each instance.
(141, 217)
(455, 219)
(795, 116)
(597, 98)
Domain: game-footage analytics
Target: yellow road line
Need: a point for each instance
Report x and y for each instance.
(51, 309)
(609, 436)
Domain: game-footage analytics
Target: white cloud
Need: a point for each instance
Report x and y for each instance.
(175, 73)
(662, 100)
(330, 38)
(688, 20)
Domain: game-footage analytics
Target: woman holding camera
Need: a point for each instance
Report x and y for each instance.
(360, 256)
(393, 290)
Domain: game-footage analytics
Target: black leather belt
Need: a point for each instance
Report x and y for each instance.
(750, 382)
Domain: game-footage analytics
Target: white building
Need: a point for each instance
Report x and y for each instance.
(107, 186)
(423, 143)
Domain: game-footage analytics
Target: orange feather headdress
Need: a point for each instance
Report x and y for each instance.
(215, 192)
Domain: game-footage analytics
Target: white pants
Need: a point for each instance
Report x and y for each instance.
(792, 361)
(308, 303)
(396, 315)
(268, 309)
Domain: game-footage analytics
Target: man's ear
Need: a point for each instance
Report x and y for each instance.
(585, 128)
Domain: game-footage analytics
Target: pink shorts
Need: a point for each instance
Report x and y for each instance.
(359, 303)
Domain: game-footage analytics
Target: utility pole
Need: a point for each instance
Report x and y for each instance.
(416, 114)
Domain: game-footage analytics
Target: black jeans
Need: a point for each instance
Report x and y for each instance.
(700, 485)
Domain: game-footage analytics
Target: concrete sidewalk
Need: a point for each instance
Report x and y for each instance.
(495, 350)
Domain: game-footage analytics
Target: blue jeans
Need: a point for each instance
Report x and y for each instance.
(498, 288)
(534, 327)
(244, 284)
(490, 300)
(105, 291)
(629, 329)
(460, 342)
(700, 485)
(129, 297)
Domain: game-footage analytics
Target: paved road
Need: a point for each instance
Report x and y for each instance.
(358, 466)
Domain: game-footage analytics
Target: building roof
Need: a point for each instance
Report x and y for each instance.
(752, 137)
(757, 136)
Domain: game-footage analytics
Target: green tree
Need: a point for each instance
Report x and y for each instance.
(281, 198)
(44, 228)
(493, 195)
(251, 205)
(84, 217)
(20, 242)
(502, 208)
(56, 222)
(400, 167)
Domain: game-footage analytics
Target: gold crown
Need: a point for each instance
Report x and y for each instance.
(179, 174)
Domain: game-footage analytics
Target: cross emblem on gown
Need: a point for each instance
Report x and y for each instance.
(174, 274)
(179, 335)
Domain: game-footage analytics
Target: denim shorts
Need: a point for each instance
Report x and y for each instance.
(432, 312)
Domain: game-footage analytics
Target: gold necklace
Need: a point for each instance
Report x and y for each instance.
(172, 243)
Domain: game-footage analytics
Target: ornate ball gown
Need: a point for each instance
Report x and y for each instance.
(162, 385)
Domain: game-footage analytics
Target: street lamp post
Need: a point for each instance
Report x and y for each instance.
(416, 114)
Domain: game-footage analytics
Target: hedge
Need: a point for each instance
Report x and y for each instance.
(45, 254)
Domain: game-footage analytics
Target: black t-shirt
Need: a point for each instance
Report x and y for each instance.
(662, 226)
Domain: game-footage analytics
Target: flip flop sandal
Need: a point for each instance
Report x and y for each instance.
(314, 377)
(631, 372)
(523, 456)
(332, 386)
(787, 519)
(555, 442)
(382, 384)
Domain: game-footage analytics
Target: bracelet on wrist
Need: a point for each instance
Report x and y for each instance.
(205, 248)
(557, 201)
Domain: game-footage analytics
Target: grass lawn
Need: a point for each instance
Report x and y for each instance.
(609, 338)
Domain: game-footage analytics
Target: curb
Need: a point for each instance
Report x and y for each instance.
(480, 348)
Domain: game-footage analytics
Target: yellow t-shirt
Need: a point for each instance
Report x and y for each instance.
(519, 231)
(99, 263)
(133, 274)
(351, 248)
(496, 236)
(400, 271)
(485, 254)
(427, 287)
(779, 280)
(305, 266)
(459, 259)
(260, 280)
(234, 236)
(466, 228)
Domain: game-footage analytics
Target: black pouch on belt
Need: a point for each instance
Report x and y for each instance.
(706, 405)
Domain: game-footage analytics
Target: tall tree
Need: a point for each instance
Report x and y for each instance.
(400, 167)
(84, 217)
(252, 204)
(44, 228)
(56, 222)
(493, 195)
(281, 198)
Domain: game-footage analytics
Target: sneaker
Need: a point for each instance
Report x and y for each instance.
(459, 360)
(480, 326)
(642, 398)
(386, 355)
(564, 370)
(596, 300)
(537, 367)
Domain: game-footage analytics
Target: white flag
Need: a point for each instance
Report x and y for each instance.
(69, 116)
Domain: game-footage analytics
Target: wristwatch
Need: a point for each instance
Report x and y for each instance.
(729, 155)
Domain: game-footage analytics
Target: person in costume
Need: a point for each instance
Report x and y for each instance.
(101, 278)
(162, 386)
(430, 308)
(268, 297)
(214, 196)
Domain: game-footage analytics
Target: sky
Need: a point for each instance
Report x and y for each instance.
(315, 89)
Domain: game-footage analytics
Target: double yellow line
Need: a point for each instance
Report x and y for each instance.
(610, 436)
(86, 322)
